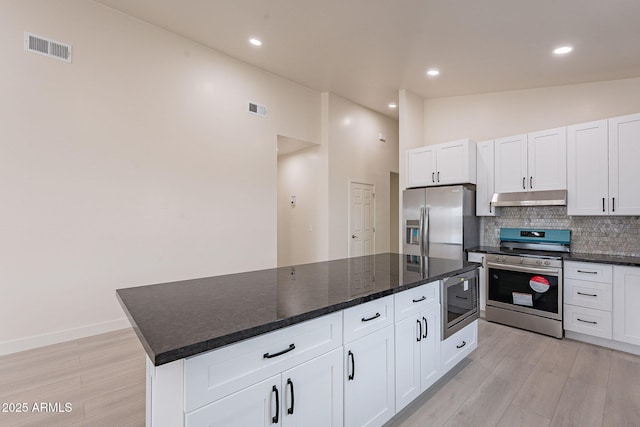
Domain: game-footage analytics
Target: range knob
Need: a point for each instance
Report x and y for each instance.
(538, 262)
(547, 263)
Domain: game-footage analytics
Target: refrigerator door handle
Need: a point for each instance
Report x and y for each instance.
(420, 228)
(424, 231)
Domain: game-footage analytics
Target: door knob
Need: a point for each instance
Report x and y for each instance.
(353, 236)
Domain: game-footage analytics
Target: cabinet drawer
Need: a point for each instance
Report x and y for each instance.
(458, 346)
(413, 300)
(220, 372)
(366, 318)
(588, 271)
(587, 321)
(588, 294)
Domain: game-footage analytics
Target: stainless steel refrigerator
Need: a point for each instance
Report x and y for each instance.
(440, 222)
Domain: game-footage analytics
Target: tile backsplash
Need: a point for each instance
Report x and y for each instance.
(610, 235)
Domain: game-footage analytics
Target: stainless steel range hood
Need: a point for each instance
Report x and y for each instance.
(530, 198)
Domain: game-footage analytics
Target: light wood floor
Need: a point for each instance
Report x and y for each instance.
(514, 378)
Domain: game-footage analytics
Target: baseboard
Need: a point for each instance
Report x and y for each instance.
(603, 342)
(35, 341)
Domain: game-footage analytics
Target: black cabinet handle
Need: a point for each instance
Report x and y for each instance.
(280, 353)
(433, 177)
(586, 321)
(462, 345)
(587, 295)
(489, 207)
(531, 182)
(420, 331)
(603, 204)
(459, 297)
(614, 204)
(290, 384)
(524, 180)
(587, 272)
(353, 366)
(274, 420)
(426, 327)
(438, 176)
(420, 299)
(375, 316)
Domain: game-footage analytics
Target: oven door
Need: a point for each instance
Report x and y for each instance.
(459, 302)
(533, 290)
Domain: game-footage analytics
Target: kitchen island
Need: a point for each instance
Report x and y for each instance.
(200, 336)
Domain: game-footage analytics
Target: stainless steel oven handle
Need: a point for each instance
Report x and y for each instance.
(533, 270)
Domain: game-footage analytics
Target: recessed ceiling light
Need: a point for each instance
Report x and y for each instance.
(433, 72)
(255, 42)
(392, 105)
(562, 50)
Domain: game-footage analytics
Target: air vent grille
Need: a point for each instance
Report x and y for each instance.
(47, 47)
(257, 109)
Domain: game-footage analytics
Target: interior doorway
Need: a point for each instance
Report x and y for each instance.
(361, 219)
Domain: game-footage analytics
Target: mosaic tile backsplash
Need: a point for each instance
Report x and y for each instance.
(610, 235)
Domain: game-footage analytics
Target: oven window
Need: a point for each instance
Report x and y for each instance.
(537, 291)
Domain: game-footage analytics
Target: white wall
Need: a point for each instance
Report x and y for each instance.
(494, 115)
(135, 164)
(355, 153)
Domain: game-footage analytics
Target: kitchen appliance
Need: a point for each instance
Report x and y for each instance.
(524, 279)
(440, 221)
(459, 302)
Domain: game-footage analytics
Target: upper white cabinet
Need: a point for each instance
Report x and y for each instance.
(602, 167)
(442, 164)
(485, 184)
(532, 162)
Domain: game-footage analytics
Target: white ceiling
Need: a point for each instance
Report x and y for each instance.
(366, 50)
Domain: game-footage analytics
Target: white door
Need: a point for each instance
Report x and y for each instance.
(369, 379)
(485, 182)
(626, 299)
(587, 169)
(313, 392)
(452, 163)
(421, 167)
(361, 219)
(407, 345)
(430, 347)
(547, 160)
(511, 164)
(624, 172)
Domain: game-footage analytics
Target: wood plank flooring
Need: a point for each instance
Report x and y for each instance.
(514, 378)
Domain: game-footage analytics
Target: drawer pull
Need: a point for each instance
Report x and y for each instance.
(290, 384)
(586, 321)
(370, 318)
(426, 327)
(459, 297)
(274, 420)
(587, 272)
(280, 353)
(420, 299)
(462, 345)
(353, 366)
(586, 295)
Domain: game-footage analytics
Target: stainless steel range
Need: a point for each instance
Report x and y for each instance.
(524, 279)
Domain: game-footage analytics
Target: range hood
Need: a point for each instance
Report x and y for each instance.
(531, 198)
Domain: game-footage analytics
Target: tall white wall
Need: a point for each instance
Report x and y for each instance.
(135, 164)
(494, 115)
(356, 153)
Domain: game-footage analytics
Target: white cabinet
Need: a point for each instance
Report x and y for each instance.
(442, 164)
(485, 183)
(482, 277)
(626, 304)
(369, 363)
(417, 342)
(533, 162)
(602, 171)
(458, 346)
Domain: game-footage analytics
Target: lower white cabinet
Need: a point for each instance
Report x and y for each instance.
(626, 304)
(417, 354)
(458, 346)
(369, 393)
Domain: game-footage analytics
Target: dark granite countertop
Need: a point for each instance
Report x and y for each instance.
(180, 319)
(573, 256)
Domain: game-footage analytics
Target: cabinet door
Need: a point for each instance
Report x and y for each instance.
(253, 406)
(511, 164)
(313, 392)
(547, 160)
(454, 163)
(626, 304)
(369, 379)
(485, 179)
(624, 158)
(421, 167)
(587, 169)
(408, 338)
(430, 347)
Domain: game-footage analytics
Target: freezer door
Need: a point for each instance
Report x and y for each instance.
(445, 232)
(412, 205)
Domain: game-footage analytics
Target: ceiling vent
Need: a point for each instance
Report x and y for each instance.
(258, 109)
(47, 47)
